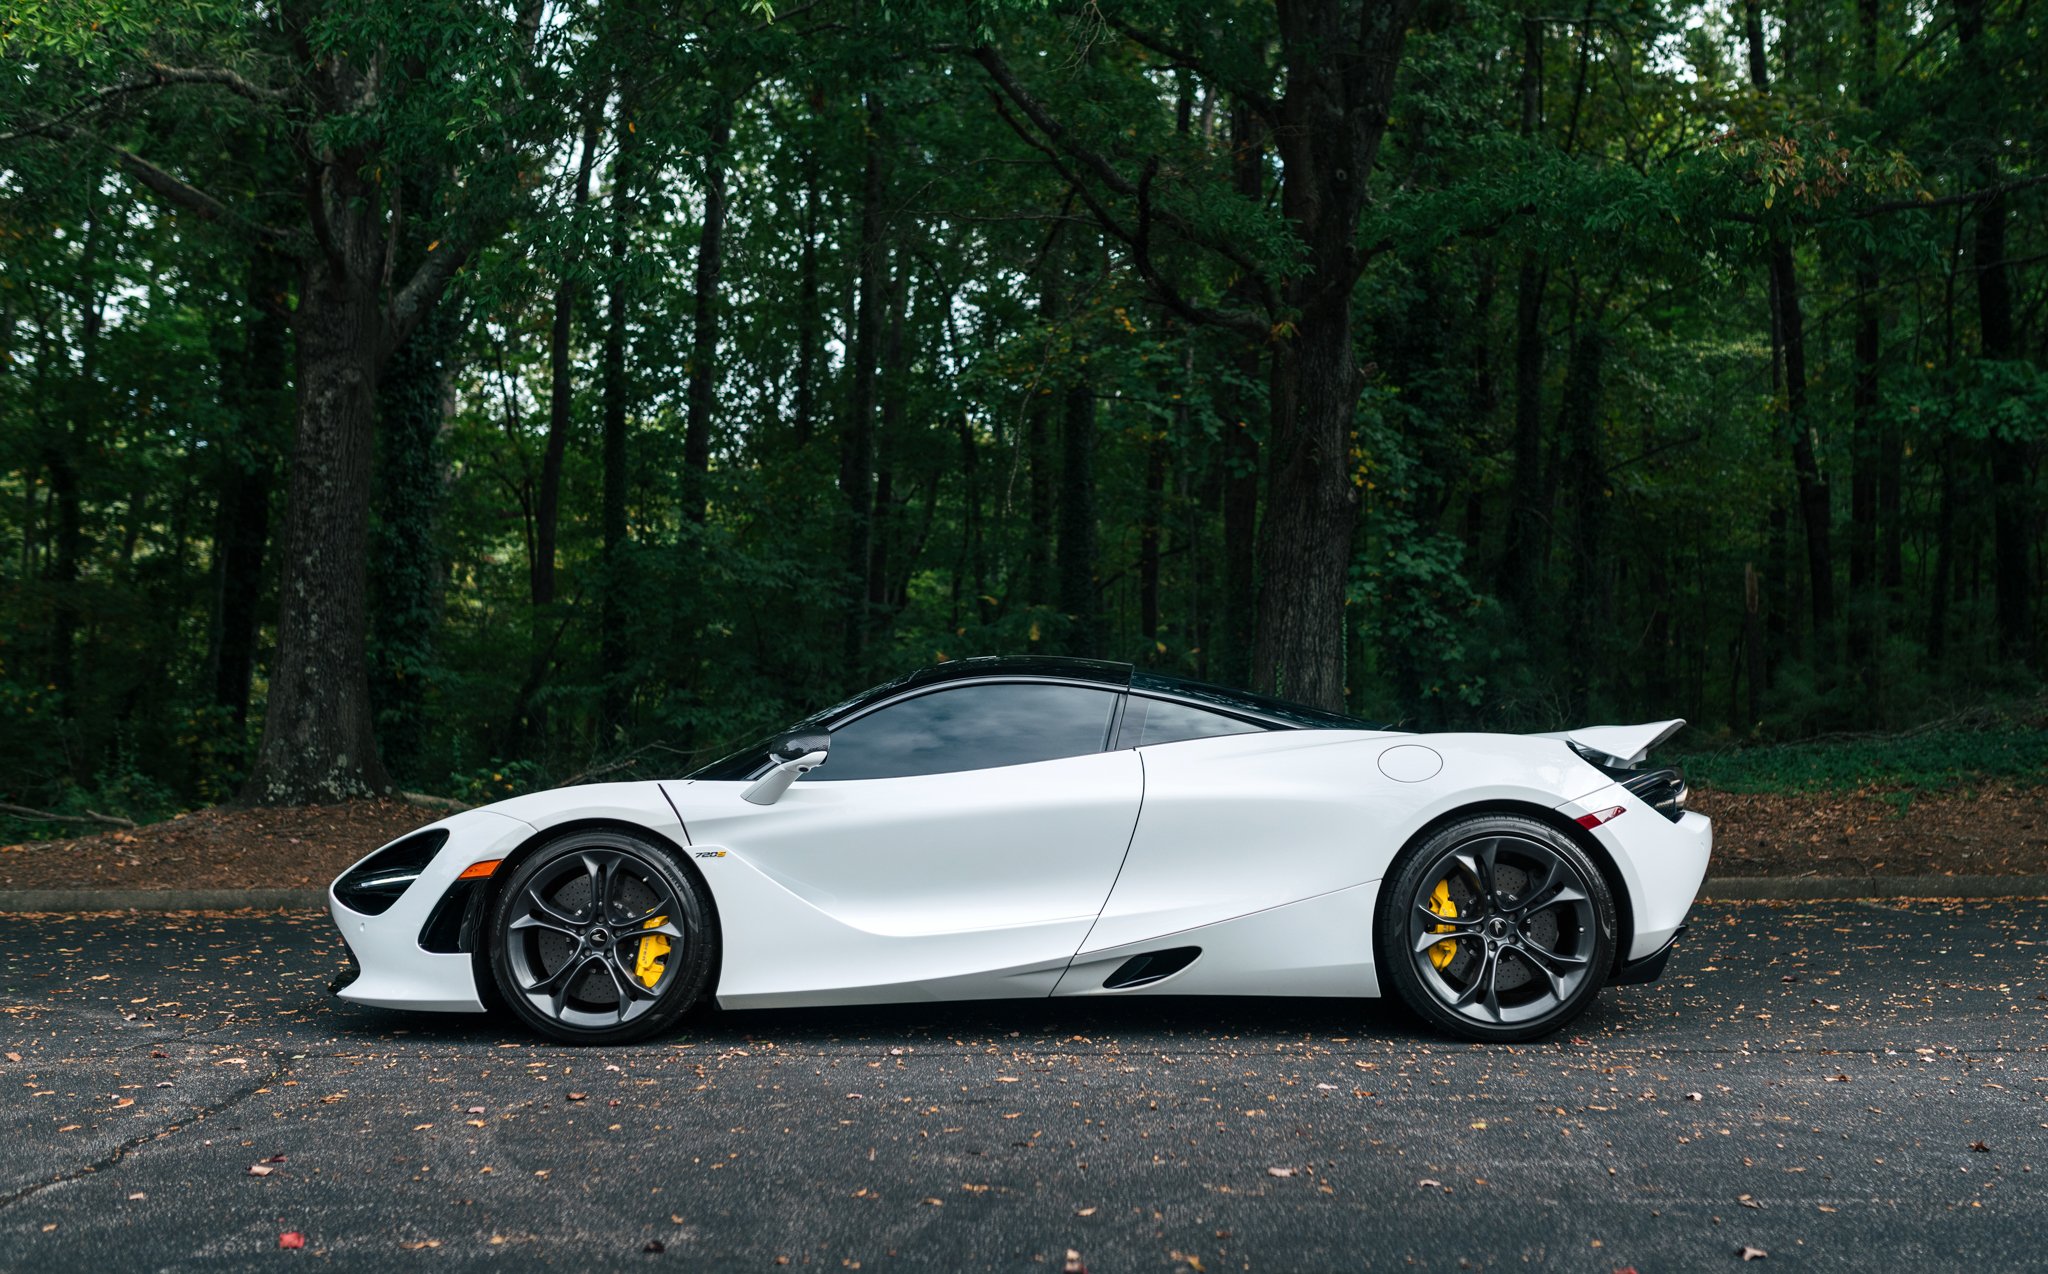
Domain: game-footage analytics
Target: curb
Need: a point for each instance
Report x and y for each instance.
(21, 900)
(1818, 888)
(1729, 889)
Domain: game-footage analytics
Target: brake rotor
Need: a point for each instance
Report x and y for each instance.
(595, 986)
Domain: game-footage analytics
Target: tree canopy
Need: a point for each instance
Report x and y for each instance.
(476, 397)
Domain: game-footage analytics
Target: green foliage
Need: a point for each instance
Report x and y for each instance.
(1638, 206)
(1926, 761)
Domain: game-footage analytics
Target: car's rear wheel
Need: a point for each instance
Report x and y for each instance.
(601, 938)
(1497, 927)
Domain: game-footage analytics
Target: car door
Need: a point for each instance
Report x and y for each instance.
(958, 843)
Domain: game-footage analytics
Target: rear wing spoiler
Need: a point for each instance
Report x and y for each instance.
(1624, 744)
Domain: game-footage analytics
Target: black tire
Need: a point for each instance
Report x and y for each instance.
(1522, 922)
(569, 935)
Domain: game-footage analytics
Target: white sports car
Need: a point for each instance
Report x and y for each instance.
(1023, 827)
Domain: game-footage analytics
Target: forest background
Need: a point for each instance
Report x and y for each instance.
(473, 397)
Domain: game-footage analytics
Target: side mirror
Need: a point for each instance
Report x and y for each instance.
(795, 754)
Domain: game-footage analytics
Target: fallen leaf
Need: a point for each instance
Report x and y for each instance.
(1430, 1183)
(476, 1110)
(291, 1240)
(1694, 1097)
(124, 1103)
(414, 1245)
(14, 1057)
(1073, 1263)
(1980, 1147)
(260, 1170)
(1751, 1252)
(1279, 1172)
(137, 1195)
(1085, 1212)
(936, 1203)
(577, 1096)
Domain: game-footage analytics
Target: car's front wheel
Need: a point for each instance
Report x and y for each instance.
(601, 938)
(1497, 927)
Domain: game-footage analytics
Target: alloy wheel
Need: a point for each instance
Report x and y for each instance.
(1502, 930)
(592, 938)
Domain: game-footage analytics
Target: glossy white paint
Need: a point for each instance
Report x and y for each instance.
(1318, 946)
(897, 882)
(1246, 822)
(1263, 849)
(396, 973)
(1661, 862)
(1627, 744)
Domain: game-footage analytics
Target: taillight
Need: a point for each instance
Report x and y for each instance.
(1597, 817)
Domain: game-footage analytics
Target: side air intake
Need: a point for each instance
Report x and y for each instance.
(1153, 966)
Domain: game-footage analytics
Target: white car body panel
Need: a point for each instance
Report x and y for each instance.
(1265, 850)
(1246, 822)
(872, 890)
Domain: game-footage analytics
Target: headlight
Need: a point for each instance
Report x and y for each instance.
(374, 884)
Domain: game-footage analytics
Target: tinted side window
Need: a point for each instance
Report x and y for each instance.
(970, 728)
(1149, 721)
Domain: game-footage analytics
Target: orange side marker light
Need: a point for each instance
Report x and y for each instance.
(480, 871)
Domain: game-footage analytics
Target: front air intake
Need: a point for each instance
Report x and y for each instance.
(1153, 966)
(374, 884)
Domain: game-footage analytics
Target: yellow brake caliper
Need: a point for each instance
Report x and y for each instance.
(1439, 902)
(647, 964)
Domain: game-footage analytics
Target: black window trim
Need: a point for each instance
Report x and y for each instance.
(1267, 724)
(1116, 715)
(1112, 742)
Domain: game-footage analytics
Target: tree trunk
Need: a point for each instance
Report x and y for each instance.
(254, 380)
(1077, 547)
(405, 565)
(1039, 450)
(1151, 514)
(1866, 613)
(1579, 422)
(318, 744)
(704, 328)
(1814, 510)
(857, 435)
(1865, 618)
(807, 315)
(1528, 515)
(1240, 452)
(612, 644)
(2009, 460)
(547, 501)
(1340, 81)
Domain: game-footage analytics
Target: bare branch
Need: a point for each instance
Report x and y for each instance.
(1139, 241)
(412, 301)
(1968, 196)
(174, 190)
(158, 76)
(1257, 99)
(40, 816)
(221, 77)
(999, 70)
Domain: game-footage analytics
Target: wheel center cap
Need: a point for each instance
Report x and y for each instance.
(597, 937)
(1499, 927)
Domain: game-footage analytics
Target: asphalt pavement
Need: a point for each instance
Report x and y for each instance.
(1843, 1085)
